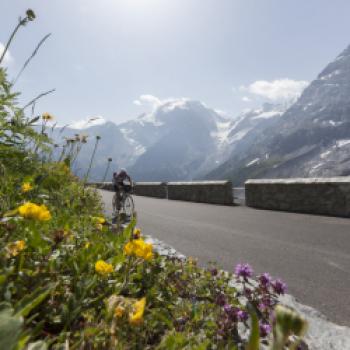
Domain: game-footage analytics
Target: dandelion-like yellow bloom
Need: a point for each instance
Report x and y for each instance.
(136, 316)
(47, 116)
(33, 211)
(139, 248)
(15, 248)
(148, 251)
(87, 245)
(119, 311)
(103, 268)
(98, 219)
(137, 233)
(129, 248)
(26, 186)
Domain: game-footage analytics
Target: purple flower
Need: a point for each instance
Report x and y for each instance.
(265, 280)
(263, 307)
(228, 309)
(248, 293)
(279, 286)
(243, 270)
(242, 315)
(220, 299)
(234, 313)
(214, 271)
(265, 329)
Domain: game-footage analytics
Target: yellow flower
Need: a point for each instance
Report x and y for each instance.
(137, 233)
(139, 248)
(87, 245)
(26, 186)
(119, 311)
(129, 248)
(103, 268)
(33, 211)
(148, 251)
(139, 245)
(15, 248)
(143, 250)
(136, 316)
(99, 219)
(47, 116)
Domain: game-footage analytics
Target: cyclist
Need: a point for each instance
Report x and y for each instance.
(121, 186)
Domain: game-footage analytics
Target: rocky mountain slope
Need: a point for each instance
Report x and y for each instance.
(183, 139)
(312, 138)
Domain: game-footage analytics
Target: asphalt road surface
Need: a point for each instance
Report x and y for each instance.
(310, 253)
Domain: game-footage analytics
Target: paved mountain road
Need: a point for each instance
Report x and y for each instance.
(311, 253)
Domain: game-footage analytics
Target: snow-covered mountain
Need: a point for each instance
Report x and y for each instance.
(180, 140)
(312, 138)
(176, 141)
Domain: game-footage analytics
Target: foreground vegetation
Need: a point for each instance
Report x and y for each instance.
(69, 280)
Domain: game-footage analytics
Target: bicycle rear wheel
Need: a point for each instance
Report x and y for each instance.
(129, 206)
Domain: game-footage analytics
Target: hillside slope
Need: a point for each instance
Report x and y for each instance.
(312, 138)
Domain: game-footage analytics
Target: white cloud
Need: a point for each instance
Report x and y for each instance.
(278, 90)
(246, 99)
(87, 122)
(148, 100)
(8, 57)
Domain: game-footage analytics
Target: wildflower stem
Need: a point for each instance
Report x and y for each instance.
(38, 97)
(106, 172)
(20, 23)
(31, 57)
(92, 159)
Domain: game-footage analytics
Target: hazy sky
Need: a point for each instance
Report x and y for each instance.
(231, 54)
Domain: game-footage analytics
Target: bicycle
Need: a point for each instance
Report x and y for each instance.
(127, 206)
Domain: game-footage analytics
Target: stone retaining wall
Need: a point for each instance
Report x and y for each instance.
(151, 189)
(215, 192)
(328, 196)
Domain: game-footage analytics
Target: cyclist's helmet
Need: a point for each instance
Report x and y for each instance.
(122, 171)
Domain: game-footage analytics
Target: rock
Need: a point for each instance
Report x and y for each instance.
(322, 333)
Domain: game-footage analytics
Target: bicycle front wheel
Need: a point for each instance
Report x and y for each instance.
(129, 206)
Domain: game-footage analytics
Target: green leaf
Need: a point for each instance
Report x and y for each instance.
(254, 338)
(2, 279)
(38, 345)
(28, 303)
(22, 342)
(10, 328)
